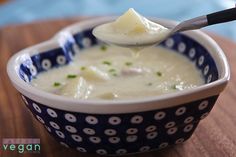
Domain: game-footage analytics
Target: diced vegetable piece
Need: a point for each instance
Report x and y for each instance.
(108, 96)
(56, 84)
(128, 63)
(76, 88)
(92, 73)
(106, 62)
(177, 87)
(149, 84)
(134, 71)
(135, 23)
(115, 74)
(103, 48)
(71, 76)
(159, 73)
(83, 68)
(112, 70)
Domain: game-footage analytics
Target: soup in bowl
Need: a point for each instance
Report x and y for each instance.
(119, 120)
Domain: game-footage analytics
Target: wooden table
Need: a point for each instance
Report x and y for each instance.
(214, 137)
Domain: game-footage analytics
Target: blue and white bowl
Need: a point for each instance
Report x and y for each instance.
(121, 126)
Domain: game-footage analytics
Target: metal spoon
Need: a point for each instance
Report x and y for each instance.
(191, 24)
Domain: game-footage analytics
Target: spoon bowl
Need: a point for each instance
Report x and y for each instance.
(155, 39)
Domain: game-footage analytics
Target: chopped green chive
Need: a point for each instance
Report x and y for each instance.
(159, 73)
(106, 62)
(56, 84)
(70, 76)
(128, 63)
(149, 84)
(174, 86)
(112, 70)
(177, 87)
(82, 68)
(114, 74)
(103, 48)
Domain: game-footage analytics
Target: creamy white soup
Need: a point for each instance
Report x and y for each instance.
(109, 72)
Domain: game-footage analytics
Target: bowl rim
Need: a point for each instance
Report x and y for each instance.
(118, 106)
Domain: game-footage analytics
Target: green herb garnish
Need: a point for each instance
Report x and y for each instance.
(114, 74)
(159, 73)
(56, 84)
(103, 48)
(106, 62)
(174, 87)
(71, 76)
(112, 70)
(177, 87)
(128, 63)
(149, 84)
(82, 68)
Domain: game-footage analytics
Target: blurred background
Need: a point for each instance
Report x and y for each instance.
(24, 11)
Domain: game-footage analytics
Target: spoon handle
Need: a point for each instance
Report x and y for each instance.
(221, 16)
(206, 20)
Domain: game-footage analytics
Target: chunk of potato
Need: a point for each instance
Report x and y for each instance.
(92, 73)
(76, 88)
(108, 96)
(133, 71)
(130, 22)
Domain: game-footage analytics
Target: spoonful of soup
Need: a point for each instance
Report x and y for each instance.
(133, 30)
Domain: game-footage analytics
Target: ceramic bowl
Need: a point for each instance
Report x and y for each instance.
(121, 126)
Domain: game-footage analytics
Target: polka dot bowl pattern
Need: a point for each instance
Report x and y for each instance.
(127, 126)
(122, 133)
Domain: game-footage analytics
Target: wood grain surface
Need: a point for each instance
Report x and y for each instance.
(214, 137)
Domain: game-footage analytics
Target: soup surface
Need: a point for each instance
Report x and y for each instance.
(109, 72)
